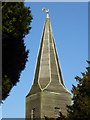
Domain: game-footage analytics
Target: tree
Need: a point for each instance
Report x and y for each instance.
(16, 23)
(80, 109)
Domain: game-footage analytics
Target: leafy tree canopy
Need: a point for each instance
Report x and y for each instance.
(16, 23)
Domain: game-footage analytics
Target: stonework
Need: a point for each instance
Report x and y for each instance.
(48, 94)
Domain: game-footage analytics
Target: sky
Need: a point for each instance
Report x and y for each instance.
(70, 29)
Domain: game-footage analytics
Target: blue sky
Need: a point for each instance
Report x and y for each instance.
(70, 28)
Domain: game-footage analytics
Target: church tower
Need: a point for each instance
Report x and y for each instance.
(48, 94)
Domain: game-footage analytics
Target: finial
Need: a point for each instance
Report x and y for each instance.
(47, 11)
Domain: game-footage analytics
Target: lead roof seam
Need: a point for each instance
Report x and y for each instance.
(40, 63)
(40, 67)
(49, 61)
(58, 70)
(37, 60)
(41, 56)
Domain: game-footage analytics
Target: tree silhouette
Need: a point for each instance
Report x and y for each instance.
(16, 23)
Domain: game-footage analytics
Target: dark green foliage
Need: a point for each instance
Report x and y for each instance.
(16, 19)
(80, 109)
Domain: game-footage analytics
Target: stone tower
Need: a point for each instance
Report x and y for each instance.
(48, 94)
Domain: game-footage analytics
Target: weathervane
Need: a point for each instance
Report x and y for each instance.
(47, 11)
(44, 9)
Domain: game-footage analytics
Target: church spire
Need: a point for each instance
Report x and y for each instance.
(48, 74)
(48, 94)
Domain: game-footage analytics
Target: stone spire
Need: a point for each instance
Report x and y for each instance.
(48, 76)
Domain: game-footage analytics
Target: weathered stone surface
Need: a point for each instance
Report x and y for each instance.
(47, 103)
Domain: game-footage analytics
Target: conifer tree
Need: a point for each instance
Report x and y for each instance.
(80, 109)
(16, 23)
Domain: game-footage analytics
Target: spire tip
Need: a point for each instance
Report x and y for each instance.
(47, 11)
